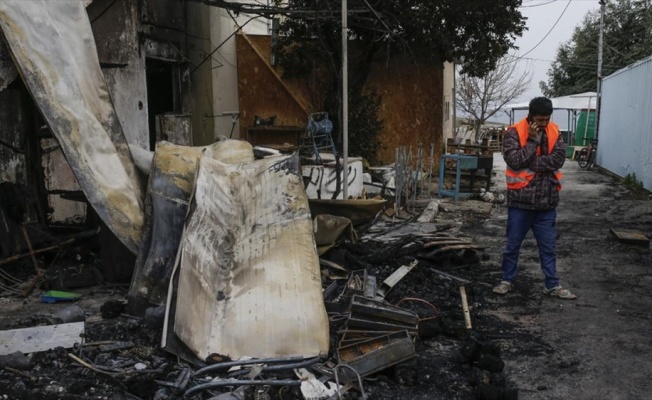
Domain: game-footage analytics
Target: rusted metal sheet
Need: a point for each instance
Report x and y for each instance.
(374, 355)
(249, 279)
(54, 50)
(411, 106)
(369, 314)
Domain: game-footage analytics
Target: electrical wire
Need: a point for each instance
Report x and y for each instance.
(573, 63)
(539, 5)
(624, 55)
(547, 34)
(210, 55)
(103, 11)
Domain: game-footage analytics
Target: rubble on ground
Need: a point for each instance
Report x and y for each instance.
(392, 295)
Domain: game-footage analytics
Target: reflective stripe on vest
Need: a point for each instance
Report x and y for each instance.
(518, 179)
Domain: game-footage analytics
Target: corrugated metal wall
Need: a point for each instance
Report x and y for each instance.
(625, 132)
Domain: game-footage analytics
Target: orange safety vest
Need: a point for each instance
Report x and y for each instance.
(518, 179)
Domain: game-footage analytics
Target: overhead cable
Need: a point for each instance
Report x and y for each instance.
(547, 34)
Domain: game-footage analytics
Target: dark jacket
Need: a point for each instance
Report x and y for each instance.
(541, 193)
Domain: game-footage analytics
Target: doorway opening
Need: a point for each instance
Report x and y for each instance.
(162, 93)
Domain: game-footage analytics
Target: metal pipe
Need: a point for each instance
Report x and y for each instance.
(345, 98)
(238, 382)
(432, 163)
(337, 380)
(282, 367)
(598, 100)
(230, 364)
(396, 179)
(454, 122)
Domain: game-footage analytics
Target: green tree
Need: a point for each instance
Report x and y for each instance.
(475, 33)
(627, 33)
(364, 124)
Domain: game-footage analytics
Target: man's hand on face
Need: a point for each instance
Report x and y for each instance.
(534, 132)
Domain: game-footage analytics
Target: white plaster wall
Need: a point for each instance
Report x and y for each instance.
(449, 100)
(225, 73)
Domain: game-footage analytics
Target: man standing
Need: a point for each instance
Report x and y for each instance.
(534, 152)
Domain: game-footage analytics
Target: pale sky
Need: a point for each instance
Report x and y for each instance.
(541, 16)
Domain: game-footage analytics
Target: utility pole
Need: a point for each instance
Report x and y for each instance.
(345, 100)
(598, 99)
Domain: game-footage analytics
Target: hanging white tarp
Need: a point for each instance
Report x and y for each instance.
(54, 50)
(249, 281)
(171, 180)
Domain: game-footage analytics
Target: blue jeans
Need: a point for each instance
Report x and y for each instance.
(542, 223)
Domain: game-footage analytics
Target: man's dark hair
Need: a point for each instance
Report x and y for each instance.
(540, 106)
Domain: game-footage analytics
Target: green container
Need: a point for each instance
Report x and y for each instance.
(569, 151)
(583, 131)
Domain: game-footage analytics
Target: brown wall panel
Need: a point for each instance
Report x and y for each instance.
(261, 93)
(411, 106)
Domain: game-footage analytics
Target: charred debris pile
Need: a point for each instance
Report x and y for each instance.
(245, 287)
(242, 280)
(391, 287)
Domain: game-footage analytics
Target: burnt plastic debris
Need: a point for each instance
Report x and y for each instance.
(16, 360)
(66, 315)
(154, 317)
(72, 313)
(113, 309)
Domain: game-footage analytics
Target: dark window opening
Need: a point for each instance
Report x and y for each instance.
(161, 93)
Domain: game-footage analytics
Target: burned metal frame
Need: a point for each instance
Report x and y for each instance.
(237, 382)
(238, 363)
(281, 367)
(337, 380)
(410, 170)
(270, 11)
(375, 354)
